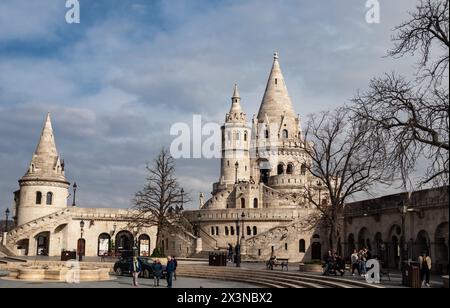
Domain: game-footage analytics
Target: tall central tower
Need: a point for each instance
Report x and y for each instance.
(235, 164)
(44, 188)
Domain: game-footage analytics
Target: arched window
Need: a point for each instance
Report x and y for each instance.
(38, 197)
(238, 136)
(49, 198)
(280, 169)
(245, 136)
(242, 203)
(267, 134)
(302, 246)
(255, 203)
(227, 231)
(232, 230)
(104, 246)
(303, 170)
(255, 230)
(285, 134)
(249, 231)
(212, 230)
(217, 231)
(290, 169)
(228, 163)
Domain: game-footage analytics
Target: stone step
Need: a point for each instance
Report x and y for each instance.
(286, 277)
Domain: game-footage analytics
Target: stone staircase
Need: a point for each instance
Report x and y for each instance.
(26, 230)
(269, 279)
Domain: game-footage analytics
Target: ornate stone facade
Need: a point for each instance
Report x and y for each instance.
(262, 181)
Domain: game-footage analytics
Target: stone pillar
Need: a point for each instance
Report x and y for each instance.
(198, 245)
(32, 247)
(4, 238)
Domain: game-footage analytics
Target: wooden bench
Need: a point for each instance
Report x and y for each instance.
(284, 263)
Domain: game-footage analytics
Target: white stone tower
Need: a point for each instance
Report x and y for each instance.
(44, 188)
(236, 136)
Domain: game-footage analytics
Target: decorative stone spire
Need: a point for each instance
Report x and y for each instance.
(236, 114)
(46, 163)
(276, 101)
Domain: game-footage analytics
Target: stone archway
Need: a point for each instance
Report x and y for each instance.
(264, 170)
(124, 241)
(393, 247)
(364, 239)
(422, 243)
(441, 241)
(42, 243)
(144, 245)
(104, 245)
(23, 246)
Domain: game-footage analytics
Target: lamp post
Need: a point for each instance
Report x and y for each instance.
(319, 184)
(182, 200)
(238, 244)
(236, 166)
(242, 222)
(74, 192)
(81, 246)
(7, 216)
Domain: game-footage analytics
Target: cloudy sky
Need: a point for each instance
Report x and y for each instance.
(116, 82)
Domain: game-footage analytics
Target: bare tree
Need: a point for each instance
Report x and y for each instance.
(345, 159)
(426, 32)
(161, 200)
(413, 116)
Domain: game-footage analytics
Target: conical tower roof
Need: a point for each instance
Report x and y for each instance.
(276, 102)
(46, 163)
(236, 113)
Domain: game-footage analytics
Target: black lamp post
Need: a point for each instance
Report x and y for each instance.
(236, 166)
(242, 221)
(74, 192)
(81, 246)
(403, 207)
(238, 244)
(182, 200)
(7, 216)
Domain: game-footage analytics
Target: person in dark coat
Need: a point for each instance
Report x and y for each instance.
(157, 269)
(175, 262)
(135, 270)
(170, 270)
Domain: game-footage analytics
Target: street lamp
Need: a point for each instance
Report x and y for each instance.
(242, 221)
(74, 192)
(238, 244)
(81, 248)
(6, 223)
(182, 200)
(236, 166)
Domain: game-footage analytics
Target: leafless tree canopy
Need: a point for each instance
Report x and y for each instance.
(346, 159)
(426, 34)
(412, 116)
(161, 200)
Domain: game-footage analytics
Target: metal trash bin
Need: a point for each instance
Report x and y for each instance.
(411, 275)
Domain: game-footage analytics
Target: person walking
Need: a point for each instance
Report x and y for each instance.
(157, 272)
(170, 268)
(230, 252)
(355, 262)
(425, 268)
(135, 271)
(175, 262)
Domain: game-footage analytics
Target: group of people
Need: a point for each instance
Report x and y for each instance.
(334, 264)
(359, 260)
(157, 269)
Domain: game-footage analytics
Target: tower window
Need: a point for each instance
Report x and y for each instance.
(290, 169)
(302, 246)
(49, 198)
(267, 134)
(303, 170)
(285, 246)
(228, 163)
(285, 134)
(242, 203)
(255, 203)
(280, 169)
(255, 230)
(227, 231)
(38, 197)
(276, 81)
(245, 136)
